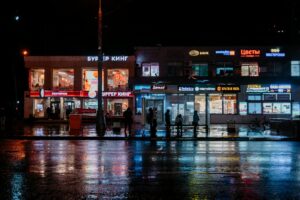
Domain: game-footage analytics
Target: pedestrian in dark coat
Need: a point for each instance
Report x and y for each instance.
(128, 121)
(195, 122)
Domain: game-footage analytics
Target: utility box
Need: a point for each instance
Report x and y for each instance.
(75, 121)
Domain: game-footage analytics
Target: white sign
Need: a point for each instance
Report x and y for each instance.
(116, 94)
(108, 58)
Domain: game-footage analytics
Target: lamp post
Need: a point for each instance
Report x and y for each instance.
(100, 125)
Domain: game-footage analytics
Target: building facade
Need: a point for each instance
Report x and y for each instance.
(221, 83)
(62, 84)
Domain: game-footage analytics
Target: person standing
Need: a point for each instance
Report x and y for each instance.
(168, 123)
(2, 118)
(178, 122)
(195, 122)
(128, 121)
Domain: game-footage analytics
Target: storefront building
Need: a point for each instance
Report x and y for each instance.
(221, 83)
(65, 84)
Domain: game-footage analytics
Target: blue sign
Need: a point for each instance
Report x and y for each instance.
(142, 87)
(226, 52)
(277, 54)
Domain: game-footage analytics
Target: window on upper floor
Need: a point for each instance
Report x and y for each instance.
(249, 69)
(63, 79)
(150, 69)
(295, 68)
(90, 80)
(200, 69)
(37, 79)
(117, 79)
(175, 69)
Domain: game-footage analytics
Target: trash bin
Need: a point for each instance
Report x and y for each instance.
(75, 121)
(231, 126)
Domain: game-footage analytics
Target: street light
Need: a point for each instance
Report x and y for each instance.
(100, 125)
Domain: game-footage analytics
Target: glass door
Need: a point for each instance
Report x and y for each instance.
(200, 106)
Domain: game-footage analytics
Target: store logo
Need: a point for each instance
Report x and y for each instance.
(117, 94)
(224, 88)
(107, 58)
(250, 53)
(186, 89)
(225, 52)
(159, 87)
(194, 53)
(92, 94)
(42, 92)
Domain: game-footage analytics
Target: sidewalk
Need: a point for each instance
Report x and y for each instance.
(88, 131)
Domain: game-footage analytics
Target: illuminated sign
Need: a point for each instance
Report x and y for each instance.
(92, 94)
(228, 88)
(107, 58)
(275, 53)
(117, 94)
(250, 53)
(194, 53)
(49, 93)
(186, 89)
(159, 87)
(198, 53)
(280, 88)
(225, 52)
(205, 88)
(142, 87)
(257, 88)
(42, 92)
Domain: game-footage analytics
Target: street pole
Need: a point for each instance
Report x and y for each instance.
(100, 125)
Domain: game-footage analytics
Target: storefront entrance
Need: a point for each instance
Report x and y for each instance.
(159, 105)
(55, 108)
(200, 106)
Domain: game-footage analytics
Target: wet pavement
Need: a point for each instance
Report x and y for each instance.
(216, 131)
(90, 169)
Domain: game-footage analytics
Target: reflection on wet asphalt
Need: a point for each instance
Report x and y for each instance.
(149, 170)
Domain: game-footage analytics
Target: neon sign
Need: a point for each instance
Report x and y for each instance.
(117, 94)
(107, 58)
(198, 53)
(158, 87)
(275, 53)
(257, 88)
(225, 52)
(225, 88)
(250, 53)
(186, 89)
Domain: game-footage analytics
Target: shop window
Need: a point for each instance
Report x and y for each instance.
(150, 69)
(117, 79)
(254, 97)
(254, 108)
(243, 108)
(90, 80)
(175, 69)
(200, 69)
(40, 106)
(224, 71)
(63, 79)
(229, 103)
(90, 103)
(295, 68)
(277, 108)
(215, 103)
(249, 69)
(37, 79)
(296, 109)
(116, 107)
(269, 97)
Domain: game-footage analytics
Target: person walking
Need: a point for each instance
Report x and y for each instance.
(178, 122)
(168, 123)
(195, 122)
(128, 121)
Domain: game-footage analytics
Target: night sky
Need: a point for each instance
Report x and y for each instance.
(69, 27)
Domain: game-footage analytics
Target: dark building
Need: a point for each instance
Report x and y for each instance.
(238, 83)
